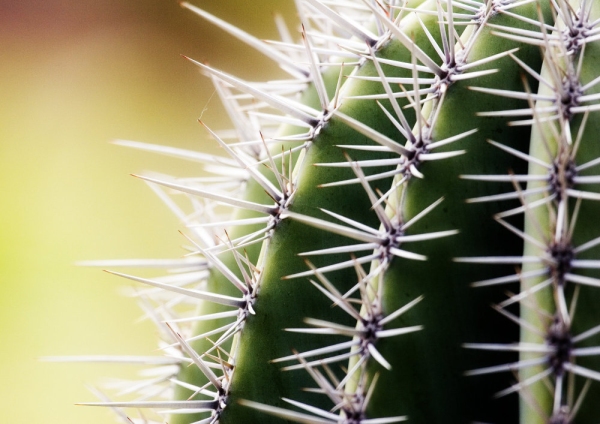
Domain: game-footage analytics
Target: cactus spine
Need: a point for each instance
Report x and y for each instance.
(337, 285)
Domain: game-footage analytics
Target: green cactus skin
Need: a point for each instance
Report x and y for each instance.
(421, 182)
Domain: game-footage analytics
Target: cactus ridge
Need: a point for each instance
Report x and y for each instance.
(342, 260)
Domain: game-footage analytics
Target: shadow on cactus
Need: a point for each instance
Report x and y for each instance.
(405, 229)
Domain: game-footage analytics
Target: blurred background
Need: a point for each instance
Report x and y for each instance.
(73, 76)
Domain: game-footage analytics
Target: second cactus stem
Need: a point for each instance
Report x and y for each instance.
(407, 229)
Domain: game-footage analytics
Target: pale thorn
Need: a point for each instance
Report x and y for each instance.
(525, 208)
(208, 373)
(580, 194)
(514, 278)
(415, 172)
(343, 329)
(393, 80)
(589, 164)
(388, 420)
(245, 240)
(235, 222)
(287, 414)
(177, 152)
(524, 112)
(373, 177)
(404, 65)
(400, 94)
(284, 32)
(521, 39)
(333, 294)
(207, 317)
(205, 335)
(515, 347)
(144, 386)
(403, 127)
(174, 207)
(446, 52)
(284, 61)
(335, 40)
(588, 179)
(334, 228)
(147, 263)
(242, 286)
(586, 264)
(316, 72)
(471, 75)
(580, 398)
(243, 126)
(386, 85)
(117, 411)
(510, 195)
(438, 156)
(400, 311)
(280, 177)
(324, 383)
(538, 35)
(516, 260)
(436, 144)
(358, 367)
(319, 351)
(312, 409)
(116, 359)
(586, 351)
(321, 362)
(426, 236)
(334, 267)
(558, 392)
(521, 155)
(519, 321)
(378, 357)
(401, 253)
(385, 221)
(407, 42)
(345, 24)
(342, 249)
(286, 105)
(363, 163)
(522, 234)
(505, 178)
(373, 135)
(264, 182)
(398, 331)
(514, 94)
(268, 210)
(581, 371)
(586, 334)
(524, 384)
(196, 405)
(331, 52)
(338, 88)
(525, 293)
(356, 224)
(211, 297)
(508, 367)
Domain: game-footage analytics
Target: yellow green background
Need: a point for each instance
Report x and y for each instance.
(73, 76)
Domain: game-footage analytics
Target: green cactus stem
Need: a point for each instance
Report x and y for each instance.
(404, 231)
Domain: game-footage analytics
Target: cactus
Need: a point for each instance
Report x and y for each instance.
(406, 229)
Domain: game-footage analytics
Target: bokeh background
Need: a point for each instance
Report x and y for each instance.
(73, 76)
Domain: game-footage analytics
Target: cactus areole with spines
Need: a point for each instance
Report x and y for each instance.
(404, 229)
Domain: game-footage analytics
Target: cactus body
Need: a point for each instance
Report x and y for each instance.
(441, 162)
